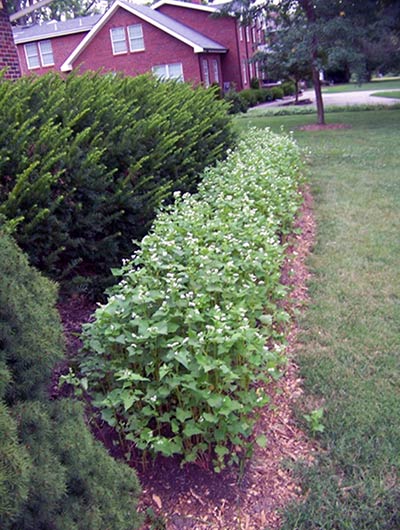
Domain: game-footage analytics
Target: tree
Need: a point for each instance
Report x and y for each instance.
(56, 10)
(286, 57)
(329, 34)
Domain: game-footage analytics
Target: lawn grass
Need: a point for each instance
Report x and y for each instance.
(393, 94)
(378, 84)
(350, 344)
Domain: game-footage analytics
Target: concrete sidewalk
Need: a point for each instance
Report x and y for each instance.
(341, 99)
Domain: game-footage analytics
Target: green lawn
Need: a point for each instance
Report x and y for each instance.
(394, 94)
(350, 344)
(381, 84)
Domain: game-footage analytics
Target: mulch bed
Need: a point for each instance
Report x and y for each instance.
(196, 498)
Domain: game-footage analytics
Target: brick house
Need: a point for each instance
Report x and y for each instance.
(8, 51)
(173, 39)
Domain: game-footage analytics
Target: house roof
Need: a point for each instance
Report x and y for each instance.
(190, 5)
(54, 28)
(210, 8)
(199, 43)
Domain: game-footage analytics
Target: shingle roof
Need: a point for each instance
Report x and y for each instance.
(176, 27)
(191, 5)
(54, 29)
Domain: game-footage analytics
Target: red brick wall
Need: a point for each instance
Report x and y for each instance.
(160, 48)
(223, 30)
(62, 48)
(8, 51)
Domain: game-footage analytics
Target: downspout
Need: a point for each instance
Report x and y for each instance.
(239, 57)
(201, 70)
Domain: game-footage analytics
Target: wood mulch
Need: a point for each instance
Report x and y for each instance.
(194, 497)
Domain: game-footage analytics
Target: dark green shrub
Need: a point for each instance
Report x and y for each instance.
(53, 474)
(258, 95)
(277, 92)
(74, 483)
(289, 88)
(254, 83)
(215, 87)
(30, 330)
(14, 468)
(85, 163)
(268, 94)
(237, 103)
(250, 96)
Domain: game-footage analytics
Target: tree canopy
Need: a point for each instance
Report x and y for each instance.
(314, 35)
(56, 10)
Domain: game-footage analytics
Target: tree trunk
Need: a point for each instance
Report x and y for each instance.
(296, 84)
(309, 10)
(318, 96)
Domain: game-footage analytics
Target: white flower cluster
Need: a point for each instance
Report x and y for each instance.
(210, 268)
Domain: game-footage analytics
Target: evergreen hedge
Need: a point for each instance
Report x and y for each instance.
(53, 474)
(86, 161)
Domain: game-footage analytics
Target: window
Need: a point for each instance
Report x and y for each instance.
(244, 69)
(169, 71)
(32, 56)
(39, 54)
(118, 40)
(247, 33)
(251, 70)
(206, 73)
(215, 71)
(240, 31)
(175, 71)
(46, 53)
(135, 37)
(136, 41)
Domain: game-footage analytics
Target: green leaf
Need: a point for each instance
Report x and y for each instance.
(221, 450)
(265, 319)
(182, 415)
(261, 441)
(162, 327)
(164, 370)
(192, 429)
(211, 418)
(166, 446)
(128, 399)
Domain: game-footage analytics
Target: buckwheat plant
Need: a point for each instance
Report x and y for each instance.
(175, 357)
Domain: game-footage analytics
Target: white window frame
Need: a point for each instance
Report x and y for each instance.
(240, 31)
(215, 69)
(167, 69)
(33, 46)
(247, 34)
(251, 73)
(46, 53)
(244, 70)
(138, 39)
(39, 54)
(206, 72)
(113, 41)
